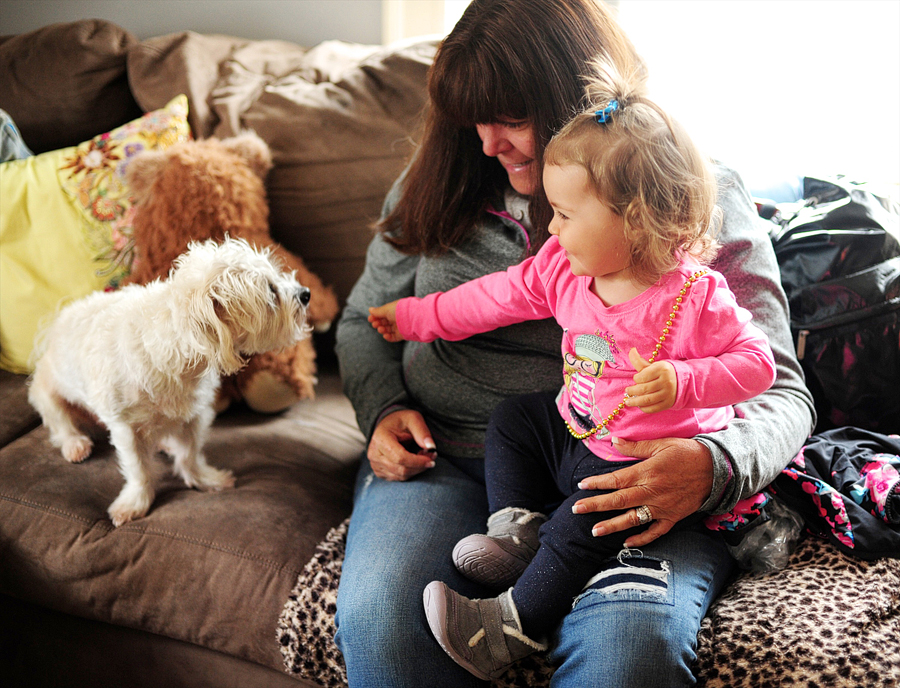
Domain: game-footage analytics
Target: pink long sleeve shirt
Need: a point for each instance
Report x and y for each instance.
(720, 357)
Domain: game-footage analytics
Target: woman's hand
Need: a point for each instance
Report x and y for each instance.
(384, 319)
(387, 452)
(673, 482)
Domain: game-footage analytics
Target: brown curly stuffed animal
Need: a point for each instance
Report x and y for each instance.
(208, 189)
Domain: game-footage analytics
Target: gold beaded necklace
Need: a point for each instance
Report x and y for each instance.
(602, 427)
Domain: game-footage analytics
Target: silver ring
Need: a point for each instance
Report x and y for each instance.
(643, 514)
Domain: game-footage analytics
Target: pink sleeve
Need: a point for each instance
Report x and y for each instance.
(481, 305)
(726, 358)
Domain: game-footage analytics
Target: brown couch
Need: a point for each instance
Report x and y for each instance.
(191, 594)
(234, 588)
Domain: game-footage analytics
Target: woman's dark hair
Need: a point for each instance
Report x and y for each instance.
(504, 59)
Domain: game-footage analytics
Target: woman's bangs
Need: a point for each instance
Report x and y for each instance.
(467, 93)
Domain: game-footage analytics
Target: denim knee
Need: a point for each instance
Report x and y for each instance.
(635, 623)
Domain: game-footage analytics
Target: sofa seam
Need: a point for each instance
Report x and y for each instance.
(48, 509)
(267, 563)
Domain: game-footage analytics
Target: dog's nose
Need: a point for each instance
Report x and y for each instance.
(303, 294)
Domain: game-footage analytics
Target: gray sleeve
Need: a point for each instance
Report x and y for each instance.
(770, 429)
(370, 367)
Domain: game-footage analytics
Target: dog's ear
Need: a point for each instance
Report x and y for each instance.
(212, 335)
(142, 170)
(199, 272)
(253, 150)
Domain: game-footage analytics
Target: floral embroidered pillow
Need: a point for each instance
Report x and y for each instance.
(65, 225)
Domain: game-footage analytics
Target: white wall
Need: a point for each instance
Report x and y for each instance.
(305, 22)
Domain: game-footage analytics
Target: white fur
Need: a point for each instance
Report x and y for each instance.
(146, 361)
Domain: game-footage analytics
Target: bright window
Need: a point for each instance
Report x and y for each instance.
(453, 10)
(775, 88)
(779, 87)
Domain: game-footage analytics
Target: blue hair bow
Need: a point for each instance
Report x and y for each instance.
(604, 115)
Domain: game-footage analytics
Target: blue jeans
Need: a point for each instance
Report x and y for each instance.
(634, 627)
(628, 630)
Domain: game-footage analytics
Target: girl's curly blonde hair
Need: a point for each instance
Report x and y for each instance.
(643, 166)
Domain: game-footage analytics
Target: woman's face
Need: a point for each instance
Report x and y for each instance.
(512, 143)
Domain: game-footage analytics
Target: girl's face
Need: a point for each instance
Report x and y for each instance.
(592, 235)
(512, 143)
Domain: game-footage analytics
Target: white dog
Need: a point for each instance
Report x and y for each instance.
(146, 361)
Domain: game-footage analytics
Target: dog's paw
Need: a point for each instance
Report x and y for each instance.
(77, 449)
(215, 479)
(132, 503)
(204, 477)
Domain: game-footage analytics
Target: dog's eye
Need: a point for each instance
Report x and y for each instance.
(273, 290)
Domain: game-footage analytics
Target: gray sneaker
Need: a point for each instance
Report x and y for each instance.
(498, 558)
(482, 636)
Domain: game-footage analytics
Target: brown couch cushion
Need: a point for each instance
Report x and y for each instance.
(163, 67)
(16, 415)
(65, 83)
(213, 569)
(339, 119)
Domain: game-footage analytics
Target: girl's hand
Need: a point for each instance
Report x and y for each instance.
(655, 384)
(384, 319)
(673, 482)
(388, 453)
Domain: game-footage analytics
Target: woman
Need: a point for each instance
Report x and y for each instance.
(506, 78)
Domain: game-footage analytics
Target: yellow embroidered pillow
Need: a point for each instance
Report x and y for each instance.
(65, 225)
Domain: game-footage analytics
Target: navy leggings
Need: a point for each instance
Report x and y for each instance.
(533, 462)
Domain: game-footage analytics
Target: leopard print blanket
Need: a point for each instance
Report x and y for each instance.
(824, 620)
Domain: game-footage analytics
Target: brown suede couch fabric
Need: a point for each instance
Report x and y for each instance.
(211, 570)
(66, 83)
(191, 594)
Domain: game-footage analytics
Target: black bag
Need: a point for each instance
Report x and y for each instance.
(839, 254)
